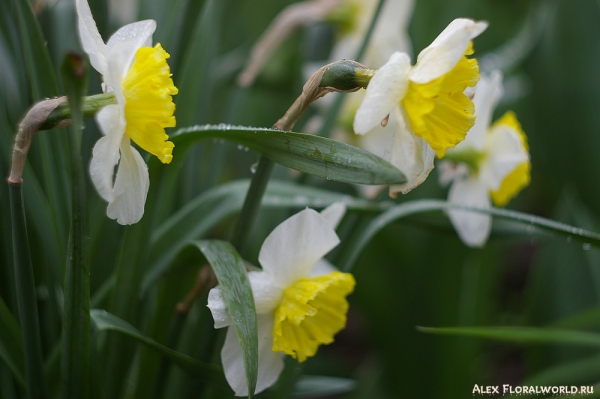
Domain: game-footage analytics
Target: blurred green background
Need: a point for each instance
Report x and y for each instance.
(415, 272)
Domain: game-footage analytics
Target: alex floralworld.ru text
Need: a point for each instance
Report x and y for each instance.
(507, 389)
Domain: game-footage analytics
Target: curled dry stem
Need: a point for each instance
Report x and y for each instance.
(205, 280)
(291, 18)
(315, 88)
(31, 123)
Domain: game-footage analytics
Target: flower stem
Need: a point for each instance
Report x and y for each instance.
(76, 328)
(61, 116)
(252, 204)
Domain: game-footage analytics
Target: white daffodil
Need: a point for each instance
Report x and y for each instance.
(300, 299)
(490, 162)
(426, 101)
(141, 80)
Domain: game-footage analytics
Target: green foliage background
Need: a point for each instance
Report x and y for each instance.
(415, 272)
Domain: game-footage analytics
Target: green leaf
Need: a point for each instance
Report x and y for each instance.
(307, 153)
(76, 327)
(104, 321)
(537, 224)
(11, 344)
(521, 334)
(124, 302)
(26, 297)
(231, 273)
(583, 320)
(577, 372)
(311, 386)
(194, 75)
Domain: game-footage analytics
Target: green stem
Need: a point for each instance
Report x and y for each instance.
(76, 329)
(61, 116)
(26, 297)
(336, 107)
(251, 206)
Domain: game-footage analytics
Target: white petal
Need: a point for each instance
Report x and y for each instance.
(131, 186)
(487, 93)
(293, 247)
(473, 228)
(105, 154)
(218, 309)
(91, 41)
(504, 152)
(121, 57)
(270, 364)
(384, 92)
(267, 293)
(266, 298)
(446, 50)
(412, 155)
(322, 267)
(138, 33)
(379, 138)
(334, 214)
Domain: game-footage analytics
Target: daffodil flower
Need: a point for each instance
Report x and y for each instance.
(141, 80)
(492, 162)
(426, 101)
(299, 298)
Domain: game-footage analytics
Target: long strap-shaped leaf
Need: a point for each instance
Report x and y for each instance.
(237, 293)
(104, 321)
(522, 334)
(307, 153)
(11, 344)
(26, 297)
(421, 206)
